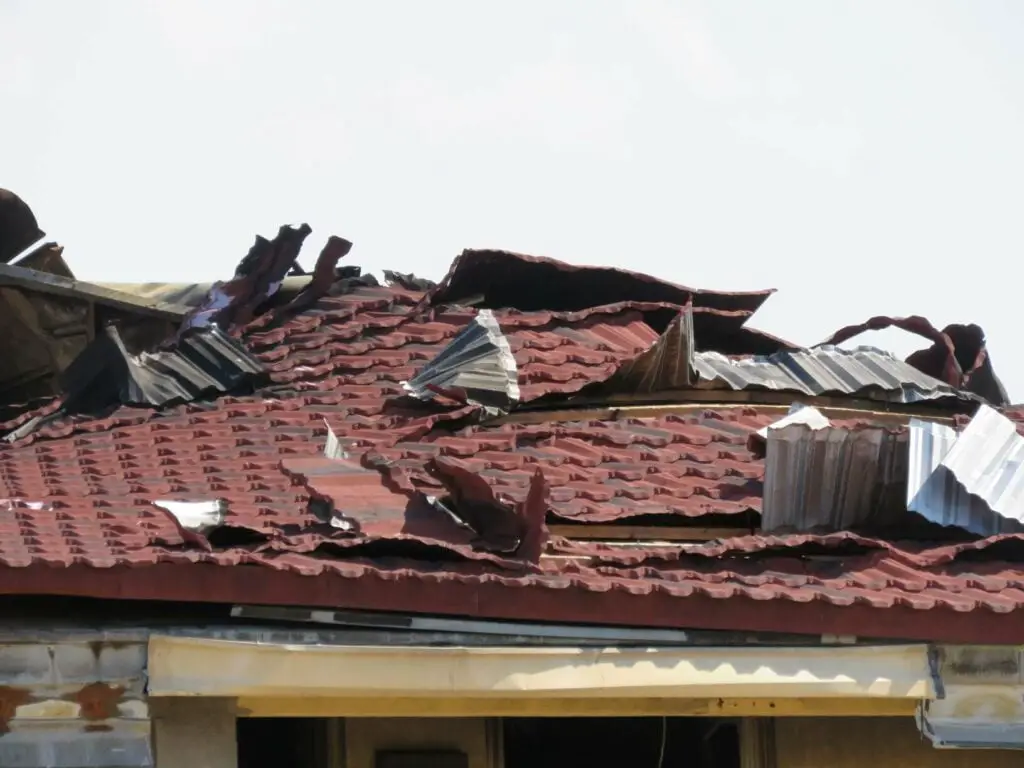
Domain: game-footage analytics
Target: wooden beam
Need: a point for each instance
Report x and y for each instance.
(329, 706)
(697, 400)
(57, 285)
(646, 534)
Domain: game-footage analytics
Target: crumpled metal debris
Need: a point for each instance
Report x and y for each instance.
(204, 360)
(258, 276)
(476, 367)
(519, 528)
(958, 355)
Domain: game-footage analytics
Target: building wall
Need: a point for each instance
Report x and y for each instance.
(879, 742)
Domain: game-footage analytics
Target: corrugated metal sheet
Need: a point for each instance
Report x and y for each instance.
(864, 371)
(974, 480)
(665, 365)
(476, 367)
(202, 361)
(832, 478)
(958, 355)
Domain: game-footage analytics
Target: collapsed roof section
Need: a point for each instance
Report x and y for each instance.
(49, 318)
(498, 280)
(680, 358)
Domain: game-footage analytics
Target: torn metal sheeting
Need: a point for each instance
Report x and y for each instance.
(203, 361)
(973, 480)
(825, 370)
(833, 478)
(958, 355)
(359, 500)
(499, 279)
(198, 516)
(665, 365)
(476, 367)
(258, 276)
(503, 526)
(332, 446)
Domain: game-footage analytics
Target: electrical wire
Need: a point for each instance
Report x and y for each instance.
(664, 739)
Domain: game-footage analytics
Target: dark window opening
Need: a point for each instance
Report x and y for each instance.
(273, 742)
(613, 742)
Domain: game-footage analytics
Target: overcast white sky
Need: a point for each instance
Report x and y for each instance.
(864, 157)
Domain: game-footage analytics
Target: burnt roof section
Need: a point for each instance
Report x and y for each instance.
(499, 279)
(18, 226)
(958, 355)
(203, 361)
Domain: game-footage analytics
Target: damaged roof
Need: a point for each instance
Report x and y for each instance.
(445, 448)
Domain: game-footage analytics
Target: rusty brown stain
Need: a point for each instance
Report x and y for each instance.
(96, 646)
(98, 728)
(10, 699)
(98, 700)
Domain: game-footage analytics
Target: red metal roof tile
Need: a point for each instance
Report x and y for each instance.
(342, 362)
